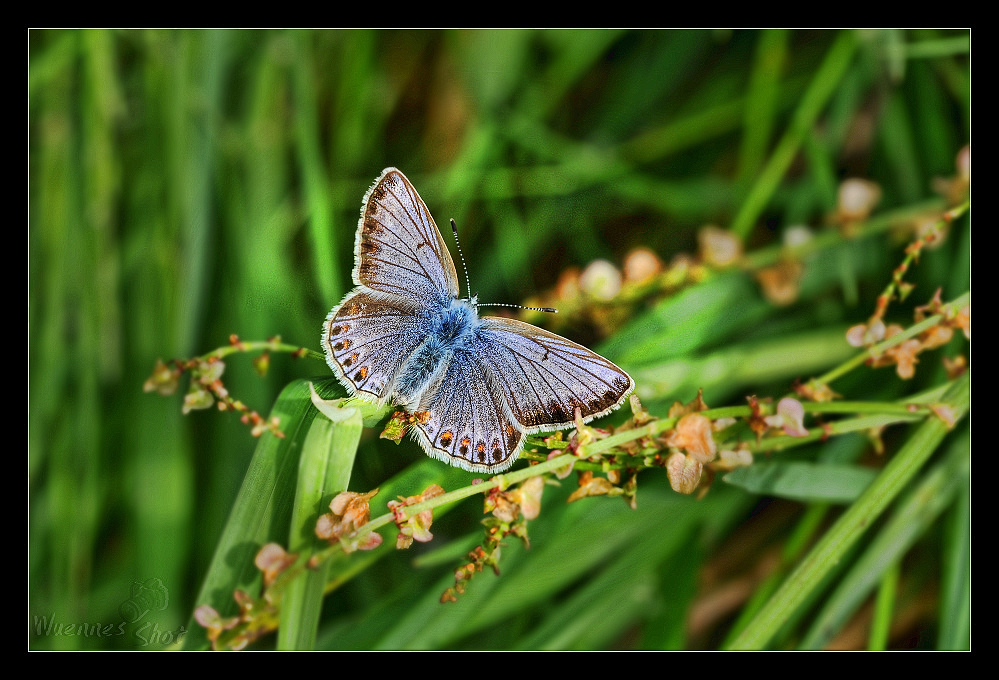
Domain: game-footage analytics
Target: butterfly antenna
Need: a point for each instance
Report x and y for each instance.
(454, 228)
(468, 285)
(551, 310)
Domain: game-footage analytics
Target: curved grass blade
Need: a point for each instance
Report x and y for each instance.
(262, 510)
(802, 481)
(851, 526)
(919, 510)
(323, 471)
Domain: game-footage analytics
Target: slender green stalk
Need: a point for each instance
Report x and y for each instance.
(884, 610)
(877, 224)
(893, 341)
(895, 413)
(814, 100)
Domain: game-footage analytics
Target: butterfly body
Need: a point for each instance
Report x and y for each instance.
(448, 331)
(478, 385)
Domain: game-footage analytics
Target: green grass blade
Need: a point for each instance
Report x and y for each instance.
(849, 528)
(915, 514)
(261, 512)
(803, 481)
(761, 100)
(884, 609)
(324, 470)
(812, 102)
(327, 273)
(955, 598)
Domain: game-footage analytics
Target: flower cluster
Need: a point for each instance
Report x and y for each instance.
(601, 293)
(414, 527)
(614, 484)
(904, 355)
(206, 387)
(349, 511)
(256, 616)
(510, 510)
(695, 455)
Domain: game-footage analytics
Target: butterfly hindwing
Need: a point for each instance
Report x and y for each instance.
(367, 339)
(544, 378)
(463, 420)
(399, 249)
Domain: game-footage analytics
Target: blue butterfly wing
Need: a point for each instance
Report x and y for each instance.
(367, 339)
(464, 420)
(398, 249)
(544, 378)
(510, 380)
(404, 272)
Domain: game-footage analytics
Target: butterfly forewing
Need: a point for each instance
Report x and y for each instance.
(545, 377)
(464, 421)
(399, 250)
(367, 338)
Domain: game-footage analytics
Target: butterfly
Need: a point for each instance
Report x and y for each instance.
(477, 386)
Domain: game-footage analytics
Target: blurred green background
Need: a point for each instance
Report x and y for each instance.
(188, 185)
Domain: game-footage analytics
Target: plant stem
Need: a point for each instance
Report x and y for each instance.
(897, 339)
